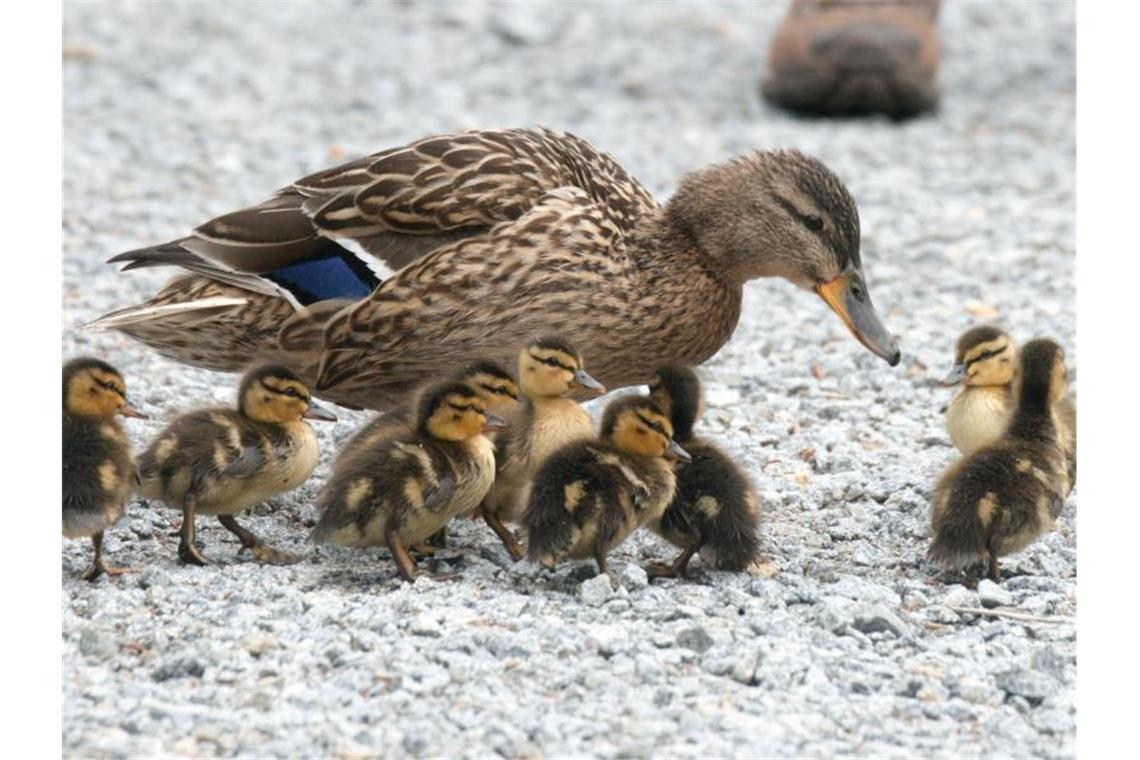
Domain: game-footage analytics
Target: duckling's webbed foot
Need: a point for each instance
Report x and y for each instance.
(98, 566)
(188, 553)
(514, 548)
(680, 566)
(261, 552)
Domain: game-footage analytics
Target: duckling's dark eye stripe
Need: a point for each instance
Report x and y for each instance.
(464, 408)
(656, 426)
(986, 355)
(552, 362)
(112, 387)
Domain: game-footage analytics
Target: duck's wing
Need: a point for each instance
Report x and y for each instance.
(340, 232)
(479, 298)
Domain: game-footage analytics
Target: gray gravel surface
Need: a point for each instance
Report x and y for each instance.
(846, 644)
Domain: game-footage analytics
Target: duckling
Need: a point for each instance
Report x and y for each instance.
(715, 510)
(98, 473)
(985, 364)
(1005, 495)
(495, 387)
(549, 369)
(590, 495)
(402, 489)
(464, 245)
(221, 461)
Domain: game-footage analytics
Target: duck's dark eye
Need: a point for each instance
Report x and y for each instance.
(813, 222)
(291, 393)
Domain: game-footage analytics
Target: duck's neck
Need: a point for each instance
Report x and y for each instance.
(694, 305)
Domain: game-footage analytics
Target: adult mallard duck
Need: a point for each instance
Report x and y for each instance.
(397, 267)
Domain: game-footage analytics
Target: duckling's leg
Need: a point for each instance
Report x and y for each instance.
(600, 558)
(438, 539)
(514, 548)
(404, 562)
(188, 553)
(98, 567)
(994, 573)
(260, 551)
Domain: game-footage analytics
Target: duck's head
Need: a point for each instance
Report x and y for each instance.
(783, 214)
(676, 389)
(454, 411)
(1044, 376)
(983, 356)
(637, 426)
(272, 393)
(494, 385)
(94, 389)
(550, 367)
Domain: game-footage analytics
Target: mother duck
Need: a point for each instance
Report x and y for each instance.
(373, 276)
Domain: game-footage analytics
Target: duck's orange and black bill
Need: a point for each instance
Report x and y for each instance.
(494, 422)
(677, 453)
(129, 411)
(956, 374)
(582, 379)
(848, 297)
(319, 413)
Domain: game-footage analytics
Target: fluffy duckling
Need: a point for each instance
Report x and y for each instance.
(546, 420)
(402, 489)
(715, 510)
(221, 461)
(495, 386)
(590, 495)
(985, 365)
(98, 473)
(1002, 497)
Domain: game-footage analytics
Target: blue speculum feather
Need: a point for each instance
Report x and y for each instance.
(334, 273)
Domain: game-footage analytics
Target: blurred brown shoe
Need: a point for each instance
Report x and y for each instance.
(837, 57)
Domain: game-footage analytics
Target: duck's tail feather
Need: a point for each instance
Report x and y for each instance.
(203, 308)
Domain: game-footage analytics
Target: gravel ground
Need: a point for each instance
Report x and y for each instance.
(174, 113)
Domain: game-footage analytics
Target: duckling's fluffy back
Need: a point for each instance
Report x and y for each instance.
(999, 500)
(415, 483)
(588, 497)
(229, 461)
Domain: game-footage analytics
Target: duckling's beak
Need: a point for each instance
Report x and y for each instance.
(848, 297)
(956, 374)
(676, 453)
(494, 422)
(583, 380)
(129, 411)
(318, 413)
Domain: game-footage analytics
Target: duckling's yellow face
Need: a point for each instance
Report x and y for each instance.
(644, 432)
(97, 394)
(993, 362)
(276, 399)
(457, 417)
(552, 372)
(500, 395)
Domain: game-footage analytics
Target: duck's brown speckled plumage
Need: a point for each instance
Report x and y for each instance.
(488, 238)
